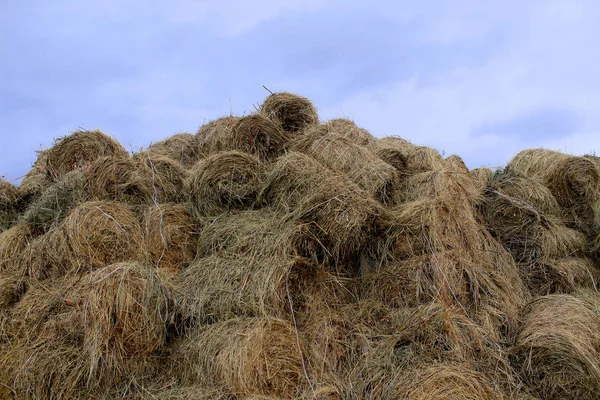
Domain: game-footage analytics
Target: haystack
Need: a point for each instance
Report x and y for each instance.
(101, 233)
(291, 112)
(112, 179)
(8, 199)
(245, 356)
(78, 149)
(125, 316)
(214, 136)
(171, 235)
(362, 166)
(481, 177)
(47, 256)
(161, 176)
(182, 147)
(418, 158)
(557, 348)
(56, 201)
(348, 129)
(13, 243)
(225, 181)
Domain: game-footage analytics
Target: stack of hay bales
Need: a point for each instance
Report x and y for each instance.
(272, 256)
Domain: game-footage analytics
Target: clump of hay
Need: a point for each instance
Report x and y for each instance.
(8, 199)
(557, 348)
(456, 163)
(362, 166)
(161, 176)
(13, 242)
(564, 275)
(100, 233)
(125, 314)
(392, 156)
(291, 112)
(112, 179)
(224, 181)
(56, 201)
(481, 176)
(79, 149)
(171, 235)
(34, 182)
(213, 137)
(182, 147)
(348, 129)
(245, 356)
(418, 158)
(47, 256)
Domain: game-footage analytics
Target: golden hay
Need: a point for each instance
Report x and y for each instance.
(481, 176)
(161, 176)
(171, 235)
(362, 166)
(564, 275)
(13, 242)
(557, 349)
(418, 158)
(112, 179)
(182, 147)
(246, 356)
(291, 112)
(101, 233)
(224, 181)
(213, 137)
(47, 256)
(56, 201)
(348, 129)
(456, 163)
(125, 315)
(78, 149)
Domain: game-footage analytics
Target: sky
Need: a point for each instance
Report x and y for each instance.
(481, 79)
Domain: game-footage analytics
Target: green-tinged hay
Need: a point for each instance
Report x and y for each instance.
(171, 235)
(561, 276)
(56, 201)
(182, 147)
(225, 181)
(13, 242)
(101, 233)
(360, 164)
(481, 178)
(418, 158)
(246, 356)
(254, 134)
(125, 316)
(557, 348)
(79, 149)
(291, 112)
(8, 199)
(161, 176)
(112, 179)
(348, 129)
(451, 382)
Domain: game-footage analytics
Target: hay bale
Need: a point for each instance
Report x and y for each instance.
(100, 233)
(56, 201)
(79, 149)
(125, 315)
(225, 181)
(13, 242)
(418, 158)
(114, 179)
(245, 356)
(456, 163)
(254, 134)
(564, 275)
(171, 236)
(291, 112)
(481, 176)
(182, 147)
(161, 176)
(361, 165)
(557, 348)
(8, 199)
(348, 129)
(392, 156)
(47, 256)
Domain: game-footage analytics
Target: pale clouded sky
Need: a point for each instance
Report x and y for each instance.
(483, 79)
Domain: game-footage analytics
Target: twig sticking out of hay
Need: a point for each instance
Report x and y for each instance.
(101, 233)
(557, 349)
(182, 147)
(225, 181)
(125, 315)
(78, 149)
(171, 235)
(362, 166)
(246, 356)
(292, 113)
(56, 201)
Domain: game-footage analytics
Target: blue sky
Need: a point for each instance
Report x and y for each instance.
(479, 79)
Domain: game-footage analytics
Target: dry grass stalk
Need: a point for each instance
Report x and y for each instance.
(13, 243)
(291, 112)
(182, 147)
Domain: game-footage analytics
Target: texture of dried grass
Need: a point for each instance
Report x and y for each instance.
(291, 112)
(182, 147)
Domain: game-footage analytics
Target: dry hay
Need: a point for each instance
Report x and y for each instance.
(291, 112)
(78, 149)
(348, 129)
(254, 134)
(8, 198)
(47, 256)
(125, 316)
(112, 179)
(557, 348)
(100, 233)
(171, 235)
(56, 201)
(481, 176)
(418, 158)
(361, 165)
(13, 243)
(225, 181)
(245, 356)
(34, 182)
(182, 147)
(456, 163)
(559, 276)
(161, 176)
